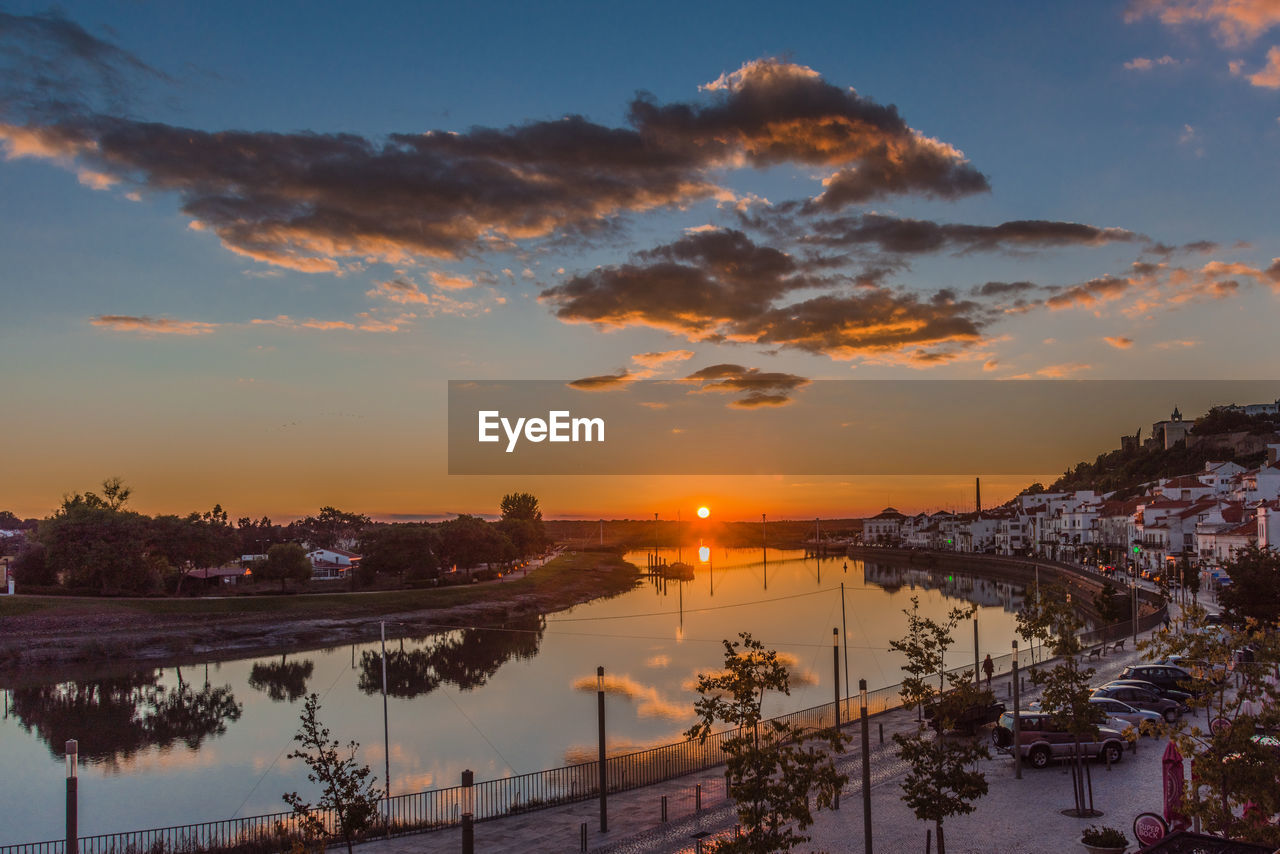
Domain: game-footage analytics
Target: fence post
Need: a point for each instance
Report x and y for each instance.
(73, 830)
(697, 798)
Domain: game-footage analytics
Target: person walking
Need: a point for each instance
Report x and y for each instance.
(988, 667)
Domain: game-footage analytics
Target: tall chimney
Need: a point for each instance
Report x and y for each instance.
(1263, 539)
(977, 494)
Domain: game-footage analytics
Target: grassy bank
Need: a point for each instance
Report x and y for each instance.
(54, 631)
(569, 574)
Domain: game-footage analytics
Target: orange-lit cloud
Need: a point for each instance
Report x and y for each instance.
(1120, 342)
(1269, 76)
(604, 382)
(659, 359)
(1069, 369)
(144, 325)
(450, 283)
(1235, 22)
(1141, 63)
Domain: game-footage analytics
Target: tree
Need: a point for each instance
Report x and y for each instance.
(940, 783)
(1233, 791)
(1254, 592)
(400, 550)
(282, 680)
(1110, 604)
(772, 773)
(346, 787)
(92, 541)
(333, 528)
(521, 523)
(1051, 619)
(285, 562)
(470, 541)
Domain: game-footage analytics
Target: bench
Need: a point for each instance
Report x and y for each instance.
(1118, 646)
(1096, 652)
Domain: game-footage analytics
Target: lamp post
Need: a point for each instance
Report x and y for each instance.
(468, 812)
(866, 768)
(73, 831)
(1017, 718)
(604, 770)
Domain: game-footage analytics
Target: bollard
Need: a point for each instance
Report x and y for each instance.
(928, 841)
(697, 799)
(881, 725)
(664, 809)
(582, 832)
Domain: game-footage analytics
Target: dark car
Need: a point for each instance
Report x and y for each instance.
(1140, 698)
(1166, 676)
(970, 719)
(1182, 698)
(1040, 742)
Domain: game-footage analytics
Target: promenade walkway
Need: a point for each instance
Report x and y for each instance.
(1017, 816)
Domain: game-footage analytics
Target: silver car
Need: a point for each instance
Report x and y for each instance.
(1120, 714)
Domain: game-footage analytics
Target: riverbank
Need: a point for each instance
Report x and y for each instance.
(42, 633)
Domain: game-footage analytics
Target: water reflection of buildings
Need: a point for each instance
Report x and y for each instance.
(980, 591)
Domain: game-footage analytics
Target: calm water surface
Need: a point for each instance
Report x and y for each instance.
(162, 746)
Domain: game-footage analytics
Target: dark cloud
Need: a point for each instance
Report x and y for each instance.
(721, 286)
(604, 382)
(50, 65)
(757, 388)
(1002, 289)
(912, 236)
(310, 201)
(1194, 246)
(694, 286)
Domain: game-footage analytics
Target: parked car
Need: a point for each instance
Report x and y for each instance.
(1182, 698)
(1040, 742)
(1166, 676)
(970, 719)
(1118, 710)
(1141, 698)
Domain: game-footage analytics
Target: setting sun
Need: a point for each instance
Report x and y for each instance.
(703, 512)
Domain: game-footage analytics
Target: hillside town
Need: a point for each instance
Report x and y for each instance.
(1198, 520)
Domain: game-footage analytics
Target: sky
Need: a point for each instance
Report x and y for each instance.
(247, 246)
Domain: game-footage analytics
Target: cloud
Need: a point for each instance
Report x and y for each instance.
(911, 236)
(658, 359)
(1235, 22)
(770, 112)
(604, 382)
(1092, 292)
(1120, 342)
(404, 291)
(1269, 76)
(650, 703)
(450, 283)
(1183, 344)
(144, 325)
(1141, 63)
(721, 286)
(321, 203)
(51, 65)
(1062, 371)
(364, 322)
(757, 388)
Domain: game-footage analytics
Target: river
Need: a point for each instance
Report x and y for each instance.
(165, 746)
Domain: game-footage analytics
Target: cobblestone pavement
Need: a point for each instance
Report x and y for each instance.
(1022, 816)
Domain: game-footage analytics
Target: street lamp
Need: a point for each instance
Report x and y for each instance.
(604, 769)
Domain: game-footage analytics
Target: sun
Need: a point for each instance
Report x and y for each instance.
(703, 512)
